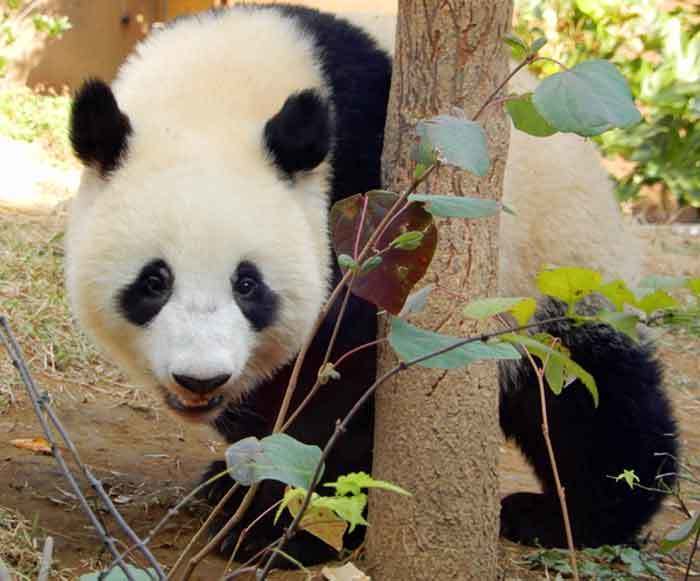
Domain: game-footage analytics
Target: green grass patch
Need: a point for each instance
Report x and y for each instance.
(32, 117)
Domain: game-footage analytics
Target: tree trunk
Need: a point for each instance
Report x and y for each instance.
(437, 432)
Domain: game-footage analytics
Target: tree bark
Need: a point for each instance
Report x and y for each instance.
(436, 431)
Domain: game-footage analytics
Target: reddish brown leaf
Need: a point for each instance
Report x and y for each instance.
(389, 284)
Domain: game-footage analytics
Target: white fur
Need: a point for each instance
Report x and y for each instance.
(203, 196)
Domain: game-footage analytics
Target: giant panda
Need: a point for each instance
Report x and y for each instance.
(198, 258)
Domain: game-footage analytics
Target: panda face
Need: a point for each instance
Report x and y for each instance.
(197, 250)
(198, 281)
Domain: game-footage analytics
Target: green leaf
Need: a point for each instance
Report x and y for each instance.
(290, 494)
(538, 43)
(371, 263)
(424, 155)
(275, 457)
(346, 261)
(354, 482)
(555, 375)
(415, 302)
(515, 42)
(457, 206)
(522, 308)
(588, 99)
(681, 533)
(694, 286)
(656, 301)
(116, 574)
(624, 322)
(547, 353)
(628, 476)
(410, 342)
(349, 508)
(527, 118)
(618, 293)
(568, 283)
(408, 240)
(458, 141)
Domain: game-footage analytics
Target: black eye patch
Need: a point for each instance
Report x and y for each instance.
(257, 301)
(143, 299)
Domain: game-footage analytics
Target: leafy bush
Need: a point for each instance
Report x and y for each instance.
(657, 47)
(14, 12)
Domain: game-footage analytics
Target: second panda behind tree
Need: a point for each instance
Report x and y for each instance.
(198, 258)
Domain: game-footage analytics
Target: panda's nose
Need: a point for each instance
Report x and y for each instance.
(201, 386)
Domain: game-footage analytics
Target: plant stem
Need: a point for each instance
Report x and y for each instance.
(233, 521)
(539, 372)
(692, 556)
(530, 58)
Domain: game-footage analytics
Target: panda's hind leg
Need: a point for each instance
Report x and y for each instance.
(631, 429)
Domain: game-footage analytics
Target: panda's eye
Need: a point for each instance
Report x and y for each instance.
(245, 286)
(156, 284)
(156, 280)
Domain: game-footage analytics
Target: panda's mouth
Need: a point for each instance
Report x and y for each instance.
(193, 407)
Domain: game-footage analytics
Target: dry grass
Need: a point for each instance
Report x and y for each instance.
(33, 299)
(21, 548)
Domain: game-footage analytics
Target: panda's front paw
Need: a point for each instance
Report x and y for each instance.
(532, 519)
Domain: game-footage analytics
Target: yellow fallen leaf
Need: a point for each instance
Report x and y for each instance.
(38, 445)
(347, 572)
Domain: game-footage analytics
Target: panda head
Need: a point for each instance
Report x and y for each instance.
(197, 251)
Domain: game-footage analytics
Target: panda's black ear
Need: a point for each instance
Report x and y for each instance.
(99, 131)
(299, 135)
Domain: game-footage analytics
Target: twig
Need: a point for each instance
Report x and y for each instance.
(692, 556)
(341, 426)
(242, 571)
(41, 406)
(539, 372)
(530, 58)
(171, 513)
(233, 521)
(46, 557)
(203, 528)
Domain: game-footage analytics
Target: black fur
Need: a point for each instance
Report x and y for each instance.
(99, 131)
(632, 424)
(299, 135)
(632, 428)
(359, 74)
(143, 298)
(260, 304)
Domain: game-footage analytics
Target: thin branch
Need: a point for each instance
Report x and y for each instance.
(233, 521)
(530, 58)
(553, 463)
(174, 511)
(46, 557)
(215, 511)
(692, 556)
(40, 402)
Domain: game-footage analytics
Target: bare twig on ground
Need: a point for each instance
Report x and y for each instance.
(43, 410)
